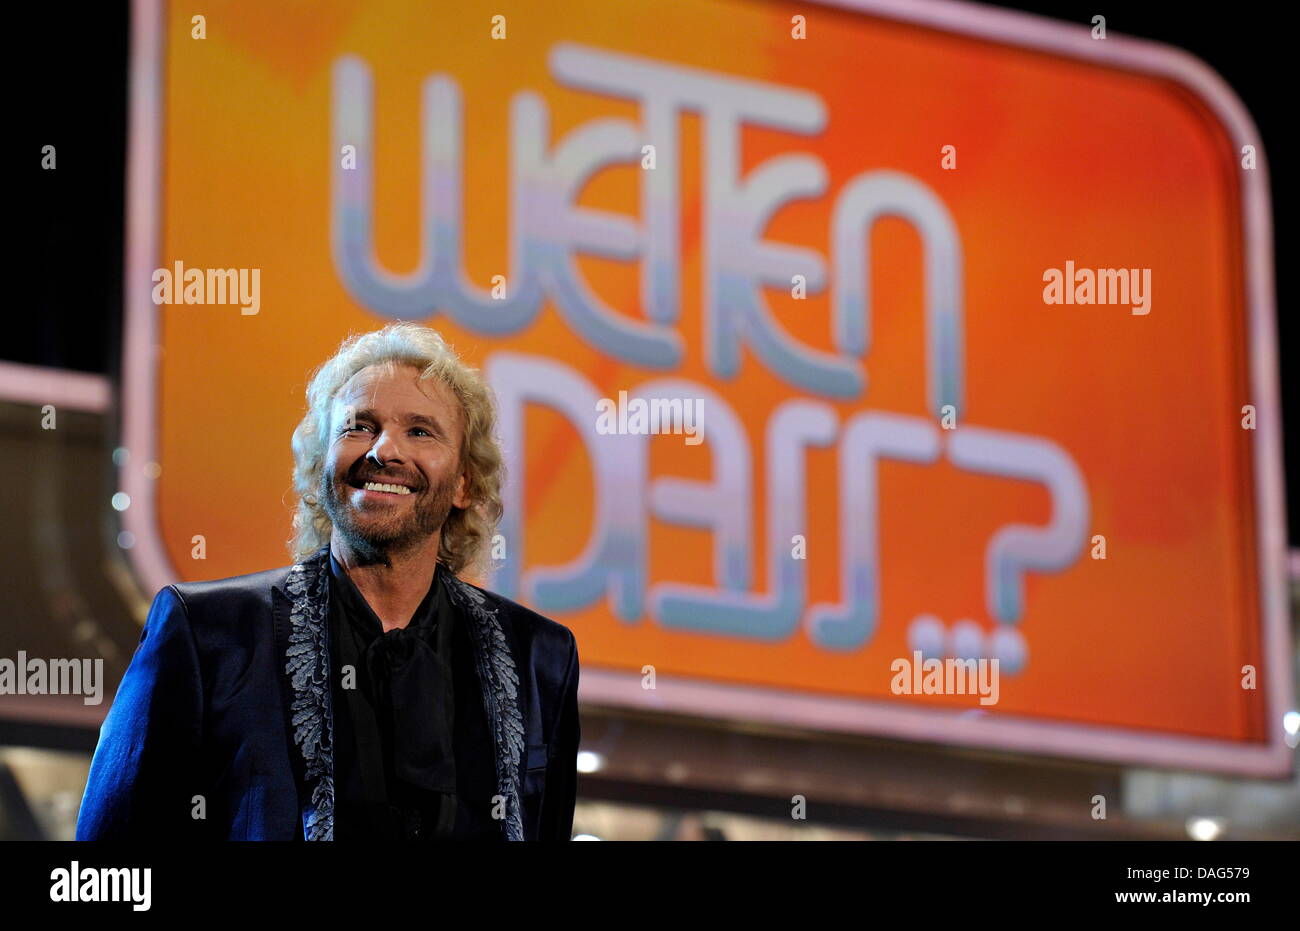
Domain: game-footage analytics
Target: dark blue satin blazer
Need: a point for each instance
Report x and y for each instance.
(222, 728)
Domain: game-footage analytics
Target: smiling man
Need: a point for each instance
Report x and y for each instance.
(367, 691)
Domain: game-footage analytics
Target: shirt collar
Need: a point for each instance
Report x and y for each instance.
(363, 618)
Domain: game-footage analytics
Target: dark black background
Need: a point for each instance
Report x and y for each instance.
(70, 83)
(940, 881)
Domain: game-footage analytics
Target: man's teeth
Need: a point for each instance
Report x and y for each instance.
(391, 489)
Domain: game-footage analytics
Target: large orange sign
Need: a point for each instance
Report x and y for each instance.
(962, 323)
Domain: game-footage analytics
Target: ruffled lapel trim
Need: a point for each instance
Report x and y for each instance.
(307, 666)
(500, 681)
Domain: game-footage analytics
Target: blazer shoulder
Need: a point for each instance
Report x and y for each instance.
(254, 587)
(526, 618)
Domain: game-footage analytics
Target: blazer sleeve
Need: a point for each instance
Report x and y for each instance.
(145, 771)
(556, 821)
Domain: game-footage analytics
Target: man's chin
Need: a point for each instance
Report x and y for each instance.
(380, 539)
(375, 537)
(373, 534)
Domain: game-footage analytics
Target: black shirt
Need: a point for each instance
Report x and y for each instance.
(406, 706)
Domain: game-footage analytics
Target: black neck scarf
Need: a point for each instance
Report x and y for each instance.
(395, 774)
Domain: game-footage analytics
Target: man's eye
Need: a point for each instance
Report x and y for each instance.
(355, 427)
(421, 430)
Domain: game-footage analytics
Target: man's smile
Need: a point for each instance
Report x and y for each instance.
(386, 489)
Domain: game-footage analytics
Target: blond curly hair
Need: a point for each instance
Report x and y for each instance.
(467, 531)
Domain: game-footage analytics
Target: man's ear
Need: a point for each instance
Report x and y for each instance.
(462, 496)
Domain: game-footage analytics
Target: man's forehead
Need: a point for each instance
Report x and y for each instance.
(366, 385)
(401, 376)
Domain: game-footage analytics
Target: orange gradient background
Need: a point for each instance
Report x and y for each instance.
(1057, 160)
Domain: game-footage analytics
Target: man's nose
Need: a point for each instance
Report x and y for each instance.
(386, 449)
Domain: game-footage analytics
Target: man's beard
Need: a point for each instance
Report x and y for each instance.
(378, 540)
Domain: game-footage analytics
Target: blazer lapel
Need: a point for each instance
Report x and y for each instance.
(500, 683)
(301, 612)
(300, 608)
